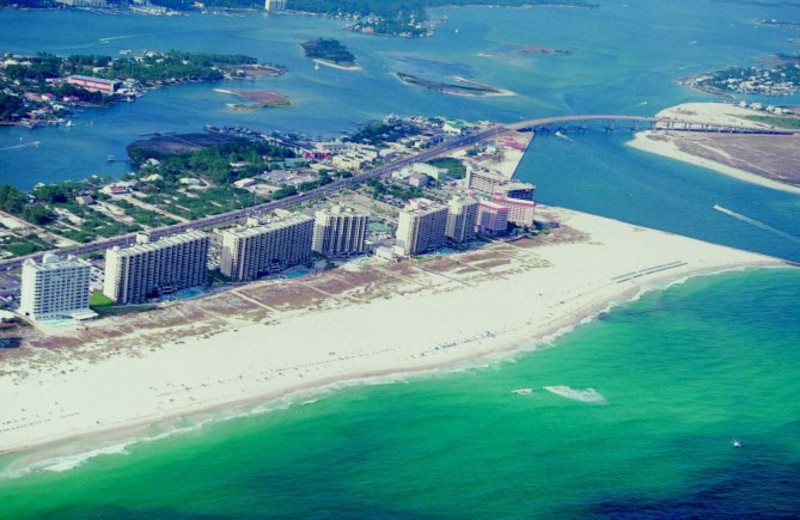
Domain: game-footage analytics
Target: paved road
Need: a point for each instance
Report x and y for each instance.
(426, 155)
(225, 218)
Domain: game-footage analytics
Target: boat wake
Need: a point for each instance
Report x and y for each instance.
(589, 395)
(757, 223)
(34, 144)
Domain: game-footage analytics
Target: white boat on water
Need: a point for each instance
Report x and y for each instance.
(522, 391)
(736, 443)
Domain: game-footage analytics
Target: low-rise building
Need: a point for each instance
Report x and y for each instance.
(55, 288)
(419, 180)
(106, 86)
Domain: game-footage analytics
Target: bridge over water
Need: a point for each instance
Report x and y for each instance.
(653, 123)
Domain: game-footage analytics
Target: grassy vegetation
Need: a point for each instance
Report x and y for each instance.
(455, 168)
(781, 122)
(26, 245)
(98, 300)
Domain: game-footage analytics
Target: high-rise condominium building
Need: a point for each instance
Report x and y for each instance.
(461, 219)
(520, 212)
(254, 249)
(56, 288)
(421, 227)
(340, 232)
(148, 269)
(492, 218)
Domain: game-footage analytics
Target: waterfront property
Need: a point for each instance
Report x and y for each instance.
(106, 86)
(421, 226)
(254, 249)
(56, 288)
(492, 218)
(520, 212)
(462, 217)
(517, 190)
(340, 232)
(149, 269)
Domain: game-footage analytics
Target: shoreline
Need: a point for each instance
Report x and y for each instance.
(252, 365)
(667, 148)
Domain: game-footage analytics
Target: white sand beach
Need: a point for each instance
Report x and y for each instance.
(666, 143)
(431, 318)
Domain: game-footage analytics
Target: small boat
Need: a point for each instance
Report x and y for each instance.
(736, 443)
(522, 391)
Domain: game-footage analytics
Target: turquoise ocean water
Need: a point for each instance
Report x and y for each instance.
(643, 403)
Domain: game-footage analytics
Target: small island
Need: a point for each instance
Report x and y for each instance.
(331, 53)
(459, 87)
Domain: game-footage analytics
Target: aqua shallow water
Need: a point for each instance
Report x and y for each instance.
(680, 374)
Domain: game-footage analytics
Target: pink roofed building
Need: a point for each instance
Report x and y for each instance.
(520, 211)
(492, 218)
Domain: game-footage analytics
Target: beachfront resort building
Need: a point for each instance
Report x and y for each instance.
(421, 226)
(520, 211)
(483, 180)
(153, 268)
(55, 288)
(340, 232)
(492, 218)
(254, 249)
(516, 190)
(462, 217)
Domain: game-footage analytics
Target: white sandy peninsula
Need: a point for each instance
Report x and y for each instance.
(747, 165)
(443, 312)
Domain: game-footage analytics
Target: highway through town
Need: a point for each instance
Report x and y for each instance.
(425, 155)
(7, 266)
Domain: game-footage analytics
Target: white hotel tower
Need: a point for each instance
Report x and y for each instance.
(56, 288)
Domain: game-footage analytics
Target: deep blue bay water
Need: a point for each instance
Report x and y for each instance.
(681, 371)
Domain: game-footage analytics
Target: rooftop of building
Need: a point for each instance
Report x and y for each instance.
(96, 80)
(144, 245)
(255, 227)
(492, 205)
(512, 201)
(422, 206)
(52, 262)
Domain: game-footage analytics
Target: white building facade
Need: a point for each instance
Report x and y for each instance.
(462, 216)
(421, 227)
(340, 232)
(56, 288)
(255, 249)
(149, 269)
